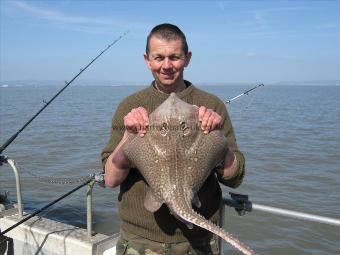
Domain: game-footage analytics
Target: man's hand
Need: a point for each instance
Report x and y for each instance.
(209, 119)
(137, 120)
(230, 167)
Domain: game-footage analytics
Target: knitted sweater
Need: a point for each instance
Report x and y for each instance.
(161, 226)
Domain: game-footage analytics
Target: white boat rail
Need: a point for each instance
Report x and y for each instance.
(12, 163)
(90, 182)
(242, 205)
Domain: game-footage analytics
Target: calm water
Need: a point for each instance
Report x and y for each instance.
(290, 136)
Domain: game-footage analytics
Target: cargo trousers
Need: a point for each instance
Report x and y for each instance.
(129, 244)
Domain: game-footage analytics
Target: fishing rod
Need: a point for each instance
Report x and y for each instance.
(244, 93)
(11, 139)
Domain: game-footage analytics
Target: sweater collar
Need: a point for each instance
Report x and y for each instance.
(180, 94)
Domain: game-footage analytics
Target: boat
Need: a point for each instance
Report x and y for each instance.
(39, 235)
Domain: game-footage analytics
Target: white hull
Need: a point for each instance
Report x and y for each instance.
(43, 236)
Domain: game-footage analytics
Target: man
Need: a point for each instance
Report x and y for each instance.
(143, 232)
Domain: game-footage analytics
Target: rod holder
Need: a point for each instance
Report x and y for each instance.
(242, 205)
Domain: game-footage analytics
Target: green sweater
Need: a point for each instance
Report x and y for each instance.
(161, 226)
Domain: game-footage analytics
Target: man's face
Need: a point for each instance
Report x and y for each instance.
(166, 60)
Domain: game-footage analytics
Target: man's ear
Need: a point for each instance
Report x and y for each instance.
(187, 58)
(147, 60)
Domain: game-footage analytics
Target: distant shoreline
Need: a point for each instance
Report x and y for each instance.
(85, 83)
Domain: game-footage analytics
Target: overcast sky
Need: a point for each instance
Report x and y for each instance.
(231, 41)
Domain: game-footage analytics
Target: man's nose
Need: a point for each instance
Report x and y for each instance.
(167, 63)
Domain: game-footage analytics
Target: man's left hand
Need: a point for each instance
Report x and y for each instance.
(209, 119)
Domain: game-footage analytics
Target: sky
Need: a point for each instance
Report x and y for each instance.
(231, 41)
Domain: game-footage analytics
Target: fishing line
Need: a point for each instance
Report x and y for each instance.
(63, 181)
(58, 180)
(67, 83)
(55, 179)
(248, 104)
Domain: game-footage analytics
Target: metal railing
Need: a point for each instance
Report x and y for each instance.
(93, 178)
(242, 205)
(12, 163)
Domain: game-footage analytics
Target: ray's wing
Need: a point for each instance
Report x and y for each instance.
(207, 151)
(146, 155)
(149, 157)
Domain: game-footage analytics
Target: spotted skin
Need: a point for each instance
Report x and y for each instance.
(176, 157)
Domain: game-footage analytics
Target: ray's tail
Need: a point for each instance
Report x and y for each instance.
(189, 215)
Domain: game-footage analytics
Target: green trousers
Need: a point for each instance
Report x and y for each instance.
(129, 244)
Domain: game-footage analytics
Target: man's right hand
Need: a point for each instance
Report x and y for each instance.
(137, 120)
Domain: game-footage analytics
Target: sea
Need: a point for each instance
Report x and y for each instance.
(290, 136)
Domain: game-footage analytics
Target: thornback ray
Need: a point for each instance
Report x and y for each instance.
(175, 157)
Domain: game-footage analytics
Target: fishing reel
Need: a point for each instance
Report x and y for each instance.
(98, 178)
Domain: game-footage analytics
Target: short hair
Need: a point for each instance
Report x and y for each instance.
(167, 32)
